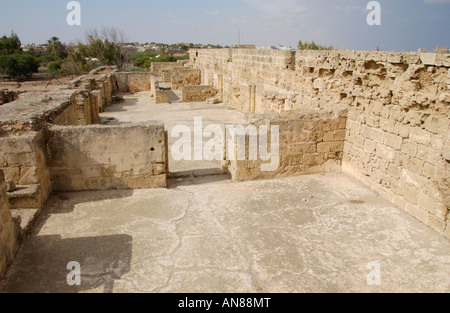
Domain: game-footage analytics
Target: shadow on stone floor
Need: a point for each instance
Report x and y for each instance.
(103, 260)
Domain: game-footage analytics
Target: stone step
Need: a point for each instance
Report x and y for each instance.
(199, 173)
(25, 197)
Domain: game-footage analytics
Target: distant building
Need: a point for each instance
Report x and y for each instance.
(130, 49)
(40, 50)
(73, 47)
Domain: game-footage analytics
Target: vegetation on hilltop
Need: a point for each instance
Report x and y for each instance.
(312, 46)
(146, 58)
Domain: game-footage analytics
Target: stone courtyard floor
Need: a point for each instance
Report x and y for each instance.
(314, 233)
(140, 108)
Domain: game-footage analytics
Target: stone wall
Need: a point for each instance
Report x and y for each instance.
(78, 103)
(23, 160)
(132, 82)
(186, 77)
(157, 69)
(83, 110)
(397, 138)
(9, 232)
(198, 93)
(158, 95)
(94, 157)
(309, 143)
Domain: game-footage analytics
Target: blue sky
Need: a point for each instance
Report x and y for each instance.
(406, 24)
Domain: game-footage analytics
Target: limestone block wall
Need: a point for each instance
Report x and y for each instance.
(157, 68)
(198, 93)
(186, 77)
(106, 87)
(309, 143)
(23, 160)
(94, 158)
(402, 150)
(158, 95)
(69, 114)
(132, 82)
(85, 103)
(9, 233)
(397, 138)
(293, 80)
(82, 110)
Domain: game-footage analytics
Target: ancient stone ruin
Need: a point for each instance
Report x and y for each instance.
(382, 118)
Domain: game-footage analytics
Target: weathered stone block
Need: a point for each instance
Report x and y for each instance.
(419, 135)
(99, 162)
(324, 147)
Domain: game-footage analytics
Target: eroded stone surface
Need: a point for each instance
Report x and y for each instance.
(302, 234)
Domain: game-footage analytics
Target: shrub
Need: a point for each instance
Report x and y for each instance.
(18, 65)
(312, 46)
(54, 67)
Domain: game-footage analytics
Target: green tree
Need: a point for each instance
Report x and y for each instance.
(18, 65)
(107, 46)
(57, 49)
(10, 45)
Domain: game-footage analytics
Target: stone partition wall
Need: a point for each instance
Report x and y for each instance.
(23, 160)
(186, 77)
(158, 95)
(309, 143)
(132, 82)
(198, 93)
(397, 138)
(9, 231)
(83, 109)
(108, 157)
(157, 68)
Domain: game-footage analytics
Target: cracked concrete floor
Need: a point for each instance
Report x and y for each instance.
(312, 233)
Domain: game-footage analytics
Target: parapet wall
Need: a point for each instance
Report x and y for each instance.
(397, 136)
(95, 158)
